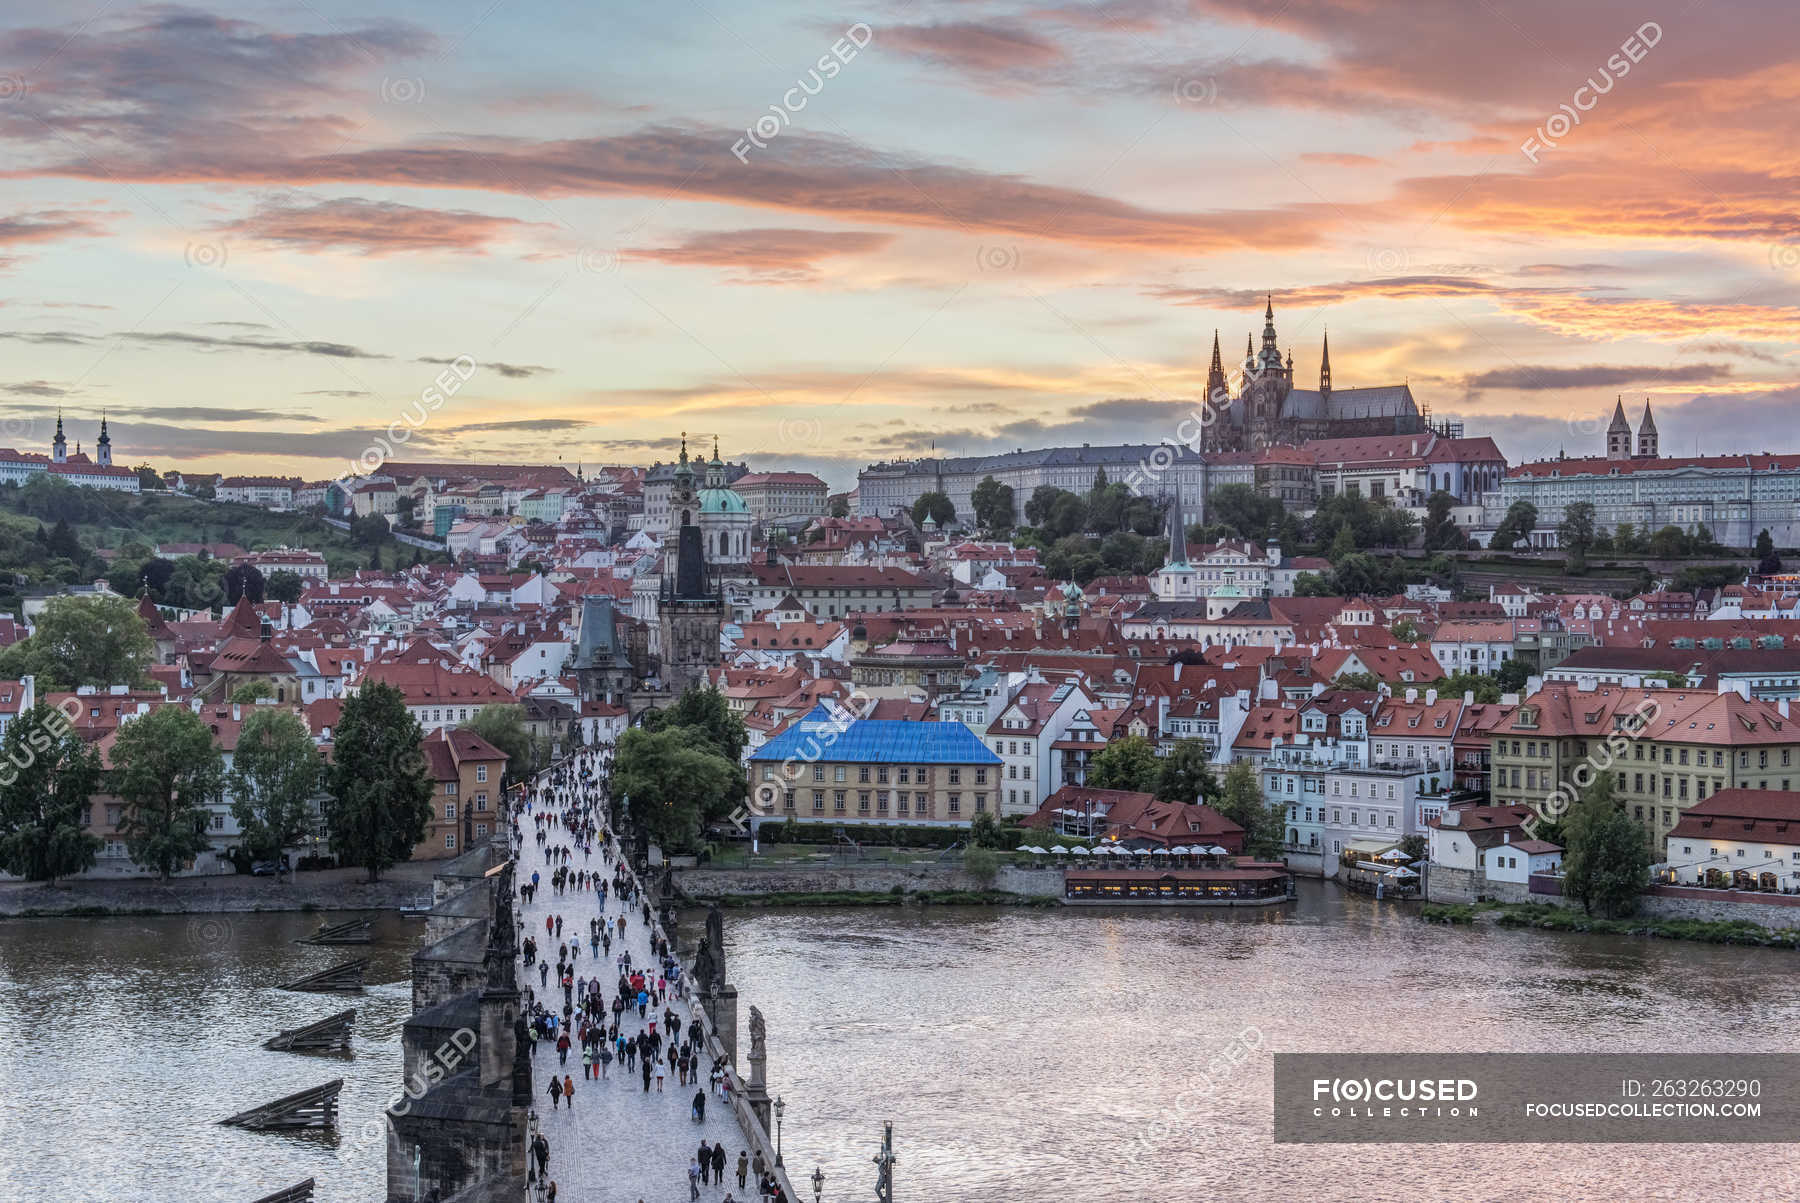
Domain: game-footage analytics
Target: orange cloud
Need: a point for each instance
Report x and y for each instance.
(764, 256)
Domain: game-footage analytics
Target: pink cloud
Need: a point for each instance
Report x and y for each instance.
(375, 228)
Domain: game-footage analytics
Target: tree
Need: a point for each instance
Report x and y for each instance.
(993, 505)
(1037, 506)
(1605, 860)
(1068, 516)
(1576, 533)
(1186, 774)
(1247, 513)
(371, 530)
(1404, 629)
(50, 774)
(840, 506)
(167, 771)
(1511, 676)
(1671, 542)
(285, 586)
(247, 693)
(62, 542)
(1312, 584)
(985, 831)
(1440, 529)
(504, 727)
(149, 478)
(275, 774)
(1241, 801)
(1627, 541)
(1484, 687)
(674, 785)
(1362, 682)
(244, 580)
(703, 710)
(937, 507)
(1767, 562)
(1415, 847)
(1343, 545)
(1520, 521)
(99, 641)
(380, 803)
(1128, 763)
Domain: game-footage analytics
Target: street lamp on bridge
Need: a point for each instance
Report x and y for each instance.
(818, 1181)
(779, 1108)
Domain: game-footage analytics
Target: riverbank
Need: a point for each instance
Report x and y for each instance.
(1547, 917)
(321, 890)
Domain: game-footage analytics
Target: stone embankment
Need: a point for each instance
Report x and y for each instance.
(327, 890)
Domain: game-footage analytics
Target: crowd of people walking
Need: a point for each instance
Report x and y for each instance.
(622, 1016)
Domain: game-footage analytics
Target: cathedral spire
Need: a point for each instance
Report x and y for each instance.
(1217, 391)
(1325, 367)
(1177, 531)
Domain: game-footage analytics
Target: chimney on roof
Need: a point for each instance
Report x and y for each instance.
(1412, 695)
(1431, 697)
(1468, 697)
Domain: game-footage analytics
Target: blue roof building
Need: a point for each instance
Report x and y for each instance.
(849, 769)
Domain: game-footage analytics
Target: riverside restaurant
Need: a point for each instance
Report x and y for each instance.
(1244, 883)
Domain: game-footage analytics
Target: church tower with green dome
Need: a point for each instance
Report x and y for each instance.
(725, 520)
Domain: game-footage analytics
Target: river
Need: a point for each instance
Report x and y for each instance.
(1025, 1054)
(126, 1040)
(1020, 1054)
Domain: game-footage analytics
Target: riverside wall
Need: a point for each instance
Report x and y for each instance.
(210, 895)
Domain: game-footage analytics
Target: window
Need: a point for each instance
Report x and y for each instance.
(449, 810)
(955, 775)
(481, 773)
(881, 774)
(450, 840)
(980, 776)
(862, 774)
(840, 773)
(901, 804)
(480, 801)
(819, 772)
(481, 829)
(818, 800)
(862, 801)
(903, 772)
(955, 804)
(787, 800)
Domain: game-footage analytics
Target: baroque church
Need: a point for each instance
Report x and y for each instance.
(1268, 410)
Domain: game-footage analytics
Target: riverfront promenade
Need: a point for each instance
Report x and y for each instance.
(616, 1143)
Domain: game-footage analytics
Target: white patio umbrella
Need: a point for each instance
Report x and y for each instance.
(1037, 851)
(1402, 871)
(1215, 850)
(1024, 848)
(1059, 850)
(1078, 851)
(1393, 854)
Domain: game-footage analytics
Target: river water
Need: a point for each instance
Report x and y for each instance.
(123, 1042)
(1033, 1054)
(1021, 1055)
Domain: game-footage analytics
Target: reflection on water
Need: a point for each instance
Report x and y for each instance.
(127, 1039)
(1032, 1054)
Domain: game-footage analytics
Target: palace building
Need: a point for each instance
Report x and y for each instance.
(1732, 496)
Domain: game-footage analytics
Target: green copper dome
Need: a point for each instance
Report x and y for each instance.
(722, 501)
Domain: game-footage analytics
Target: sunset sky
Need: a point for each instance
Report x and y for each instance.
(252, 232)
